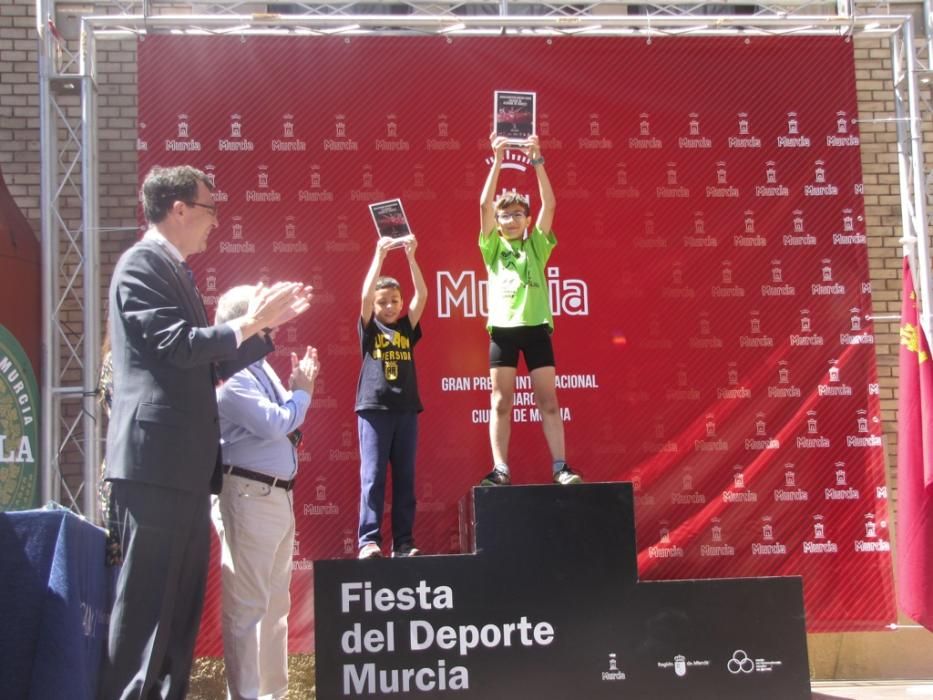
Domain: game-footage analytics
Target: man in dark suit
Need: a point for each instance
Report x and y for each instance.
(163, 449)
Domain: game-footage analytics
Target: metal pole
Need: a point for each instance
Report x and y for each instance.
(91, 253)
(48, 145)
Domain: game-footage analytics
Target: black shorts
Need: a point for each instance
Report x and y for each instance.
(534, 342)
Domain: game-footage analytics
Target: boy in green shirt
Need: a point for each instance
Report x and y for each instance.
(520, 319)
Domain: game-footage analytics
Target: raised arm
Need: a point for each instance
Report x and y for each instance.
(545, 191)
(488, 198)
(369, 284)
(420, 298)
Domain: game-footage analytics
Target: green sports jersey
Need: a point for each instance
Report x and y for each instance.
(517, 292)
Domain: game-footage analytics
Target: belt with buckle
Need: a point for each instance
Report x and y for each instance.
(234, 470)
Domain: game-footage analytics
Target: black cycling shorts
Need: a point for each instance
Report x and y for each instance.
(534, 342)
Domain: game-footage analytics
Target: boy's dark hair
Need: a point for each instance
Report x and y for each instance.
(509, 199)
(165, 186)
(385, 282)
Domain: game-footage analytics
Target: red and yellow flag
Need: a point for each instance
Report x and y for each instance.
(914, 464)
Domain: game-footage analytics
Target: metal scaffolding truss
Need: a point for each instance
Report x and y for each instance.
(71, 435)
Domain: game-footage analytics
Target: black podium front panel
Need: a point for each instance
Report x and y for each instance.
(549, 606)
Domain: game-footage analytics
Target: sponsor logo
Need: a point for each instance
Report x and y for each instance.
(613, 672)
(19, 426)
(741, 664)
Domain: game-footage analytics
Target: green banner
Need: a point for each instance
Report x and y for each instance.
(19, 426)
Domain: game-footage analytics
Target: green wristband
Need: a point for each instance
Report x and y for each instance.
(537, 161)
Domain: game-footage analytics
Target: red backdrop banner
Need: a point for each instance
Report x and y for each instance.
(710, 286)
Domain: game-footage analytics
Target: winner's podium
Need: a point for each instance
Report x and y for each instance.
(549, 606)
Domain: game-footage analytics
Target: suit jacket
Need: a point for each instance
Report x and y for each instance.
(166, 360)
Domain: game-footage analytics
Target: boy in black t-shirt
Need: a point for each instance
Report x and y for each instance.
(387, 402)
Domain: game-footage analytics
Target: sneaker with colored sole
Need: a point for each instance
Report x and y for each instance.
(496, 478)
(567, 476)
(370, 550)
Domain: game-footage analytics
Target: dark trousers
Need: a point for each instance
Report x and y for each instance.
(165, 535)
(387, 436)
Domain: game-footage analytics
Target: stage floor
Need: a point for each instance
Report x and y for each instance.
(871, 690)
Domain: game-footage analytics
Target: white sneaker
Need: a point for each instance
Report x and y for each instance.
(370, 550)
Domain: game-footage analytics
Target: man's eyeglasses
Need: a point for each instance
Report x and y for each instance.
(211, 207)
(510, 215)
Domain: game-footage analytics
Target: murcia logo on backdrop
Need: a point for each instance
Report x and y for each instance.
(368, 192)
(141, 143)
(826, 286)
(835, 386)
(183, 141)
(650, 238)
(840, 490)
(621, 189)
(288, 142)
(19, 427)
(749, 238)
(793, 139)
(728, 288)
(790, 492)
(316, 193)
(776, 287)
(799, 237)
(820, 188)
(807, 336)
(442, 142)
(722, 188)
(572, 190)
(340, 142)
(863, 436)
(718, 548)
(856, 335)
(465, 295)
(289, 245)
(237, 244)
(849, 236)
(263, 193)
(760, 440)
(236, 142)
(771, 188)
(392, 142)
(842, 137)
(819, 544)
(671, 189)
(419, 191)
(783, 389)
(756, 338)
(321, 505)
(694, 140)
(768, 546)
(343, 243)
(744, 139)
(594, 141)
(705, 338)
(644, 140)
(665, 548)
(699, 238)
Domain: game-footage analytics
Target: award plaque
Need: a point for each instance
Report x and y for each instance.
(390, 219)
(514, 116)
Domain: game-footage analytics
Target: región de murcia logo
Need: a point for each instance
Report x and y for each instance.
(19, 434)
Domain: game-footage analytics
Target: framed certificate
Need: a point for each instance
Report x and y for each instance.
(514, 116)
(390, 220)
